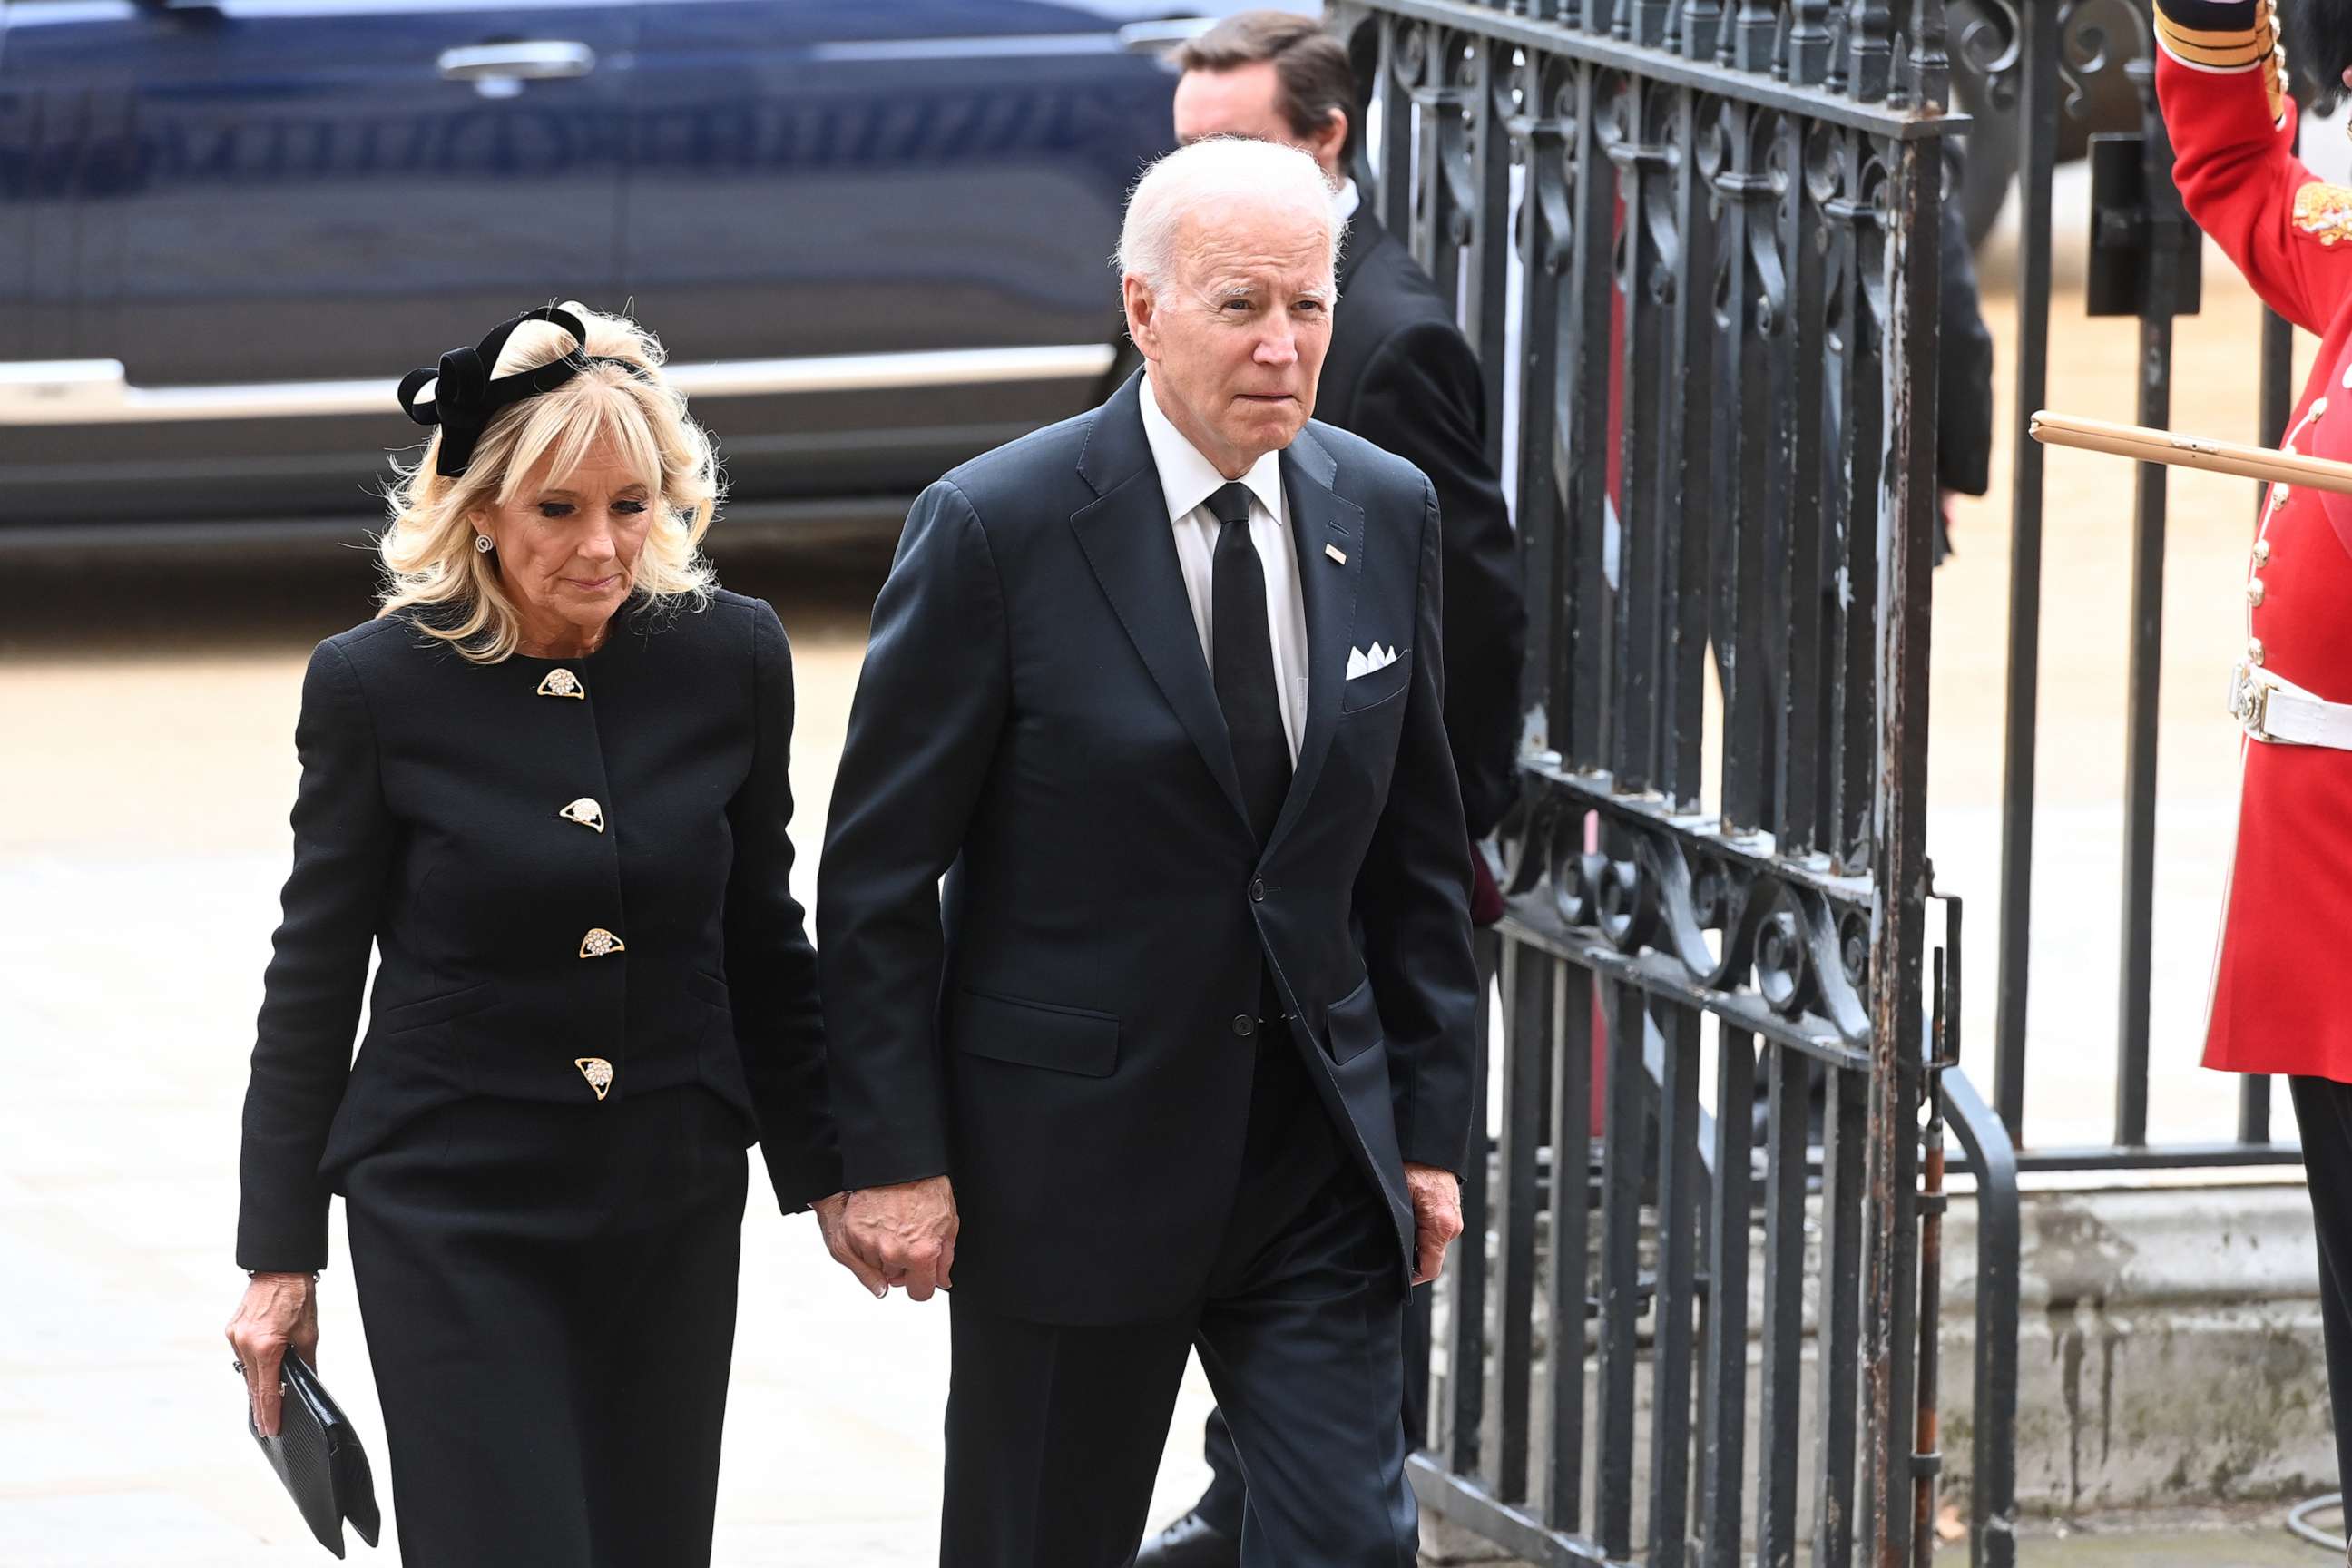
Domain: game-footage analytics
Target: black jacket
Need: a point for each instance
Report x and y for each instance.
(1071, 1035)
(1400, 375)
(429, 825)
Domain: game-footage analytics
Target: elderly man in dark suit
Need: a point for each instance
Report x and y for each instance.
(1400, 375)
(1183, 1056)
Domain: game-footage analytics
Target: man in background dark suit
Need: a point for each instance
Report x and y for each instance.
(1399, 374)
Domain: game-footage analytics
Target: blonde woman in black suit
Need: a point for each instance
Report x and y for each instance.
(547, 782)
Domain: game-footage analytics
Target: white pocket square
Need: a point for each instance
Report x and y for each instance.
(1362, 662)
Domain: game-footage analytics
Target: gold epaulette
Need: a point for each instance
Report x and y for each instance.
(2230, 50)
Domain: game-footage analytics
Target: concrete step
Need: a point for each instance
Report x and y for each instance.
(2238, 1538)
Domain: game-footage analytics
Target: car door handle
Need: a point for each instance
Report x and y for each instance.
(1158, 38)
(536, 61)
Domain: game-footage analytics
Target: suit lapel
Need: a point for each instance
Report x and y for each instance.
(1319, 518)
(1126, 539)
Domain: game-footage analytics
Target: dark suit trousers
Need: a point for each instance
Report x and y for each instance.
(1054, 1433)
(1225, 1503)
(2323, 1111)
(549, 1292)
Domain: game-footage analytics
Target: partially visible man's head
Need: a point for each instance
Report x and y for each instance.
(1273, 76)
(1226, 260)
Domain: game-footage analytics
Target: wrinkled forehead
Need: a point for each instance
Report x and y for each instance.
(1264, 244)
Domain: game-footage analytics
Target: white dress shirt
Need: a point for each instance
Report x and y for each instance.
(1344, 202)
(1188, 479)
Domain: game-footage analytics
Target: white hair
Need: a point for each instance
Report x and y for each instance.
(1208, 175)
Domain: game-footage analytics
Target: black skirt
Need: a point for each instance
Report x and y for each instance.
(549, 1292)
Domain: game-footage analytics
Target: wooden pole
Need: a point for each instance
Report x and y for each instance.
(2149, 446)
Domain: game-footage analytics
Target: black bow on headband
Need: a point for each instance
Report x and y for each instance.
(465, 397)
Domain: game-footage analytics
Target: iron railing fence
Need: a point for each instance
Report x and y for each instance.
(1695, 246)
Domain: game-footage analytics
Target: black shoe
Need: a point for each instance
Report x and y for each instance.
(1191, 1543)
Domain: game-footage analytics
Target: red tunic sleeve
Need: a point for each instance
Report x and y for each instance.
(2220, 82)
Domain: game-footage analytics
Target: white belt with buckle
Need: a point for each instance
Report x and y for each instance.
(2284, 714)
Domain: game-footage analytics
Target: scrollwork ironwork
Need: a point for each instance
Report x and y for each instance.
(1784, 975)
(1703, 197)
(1628, 905)
(1703, 911)
(1988, 44)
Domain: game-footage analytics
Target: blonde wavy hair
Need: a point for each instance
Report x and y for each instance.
(451, 590)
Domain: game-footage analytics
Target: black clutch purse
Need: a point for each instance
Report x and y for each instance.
(317, 1454)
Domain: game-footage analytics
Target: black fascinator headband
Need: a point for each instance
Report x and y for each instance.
(465, 397)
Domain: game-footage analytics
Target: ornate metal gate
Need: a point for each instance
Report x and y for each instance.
(1696, 249)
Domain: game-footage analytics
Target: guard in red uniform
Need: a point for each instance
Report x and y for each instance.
(2278, 1002)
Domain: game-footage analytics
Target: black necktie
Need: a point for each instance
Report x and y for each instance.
(1242, 663)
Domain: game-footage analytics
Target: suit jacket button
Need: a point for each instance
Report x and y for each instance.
(1244, 1026)
(1257, 889)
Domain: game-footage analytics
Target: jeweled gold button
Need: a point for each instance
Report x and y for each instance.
(2254, 590)
(585, 812)
(597, 1071)
(600, 942)
(563, 683)
(2253, 650)
(2262, 552)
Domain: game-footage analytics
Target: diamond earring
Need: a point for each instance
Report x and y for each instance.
(483, 544)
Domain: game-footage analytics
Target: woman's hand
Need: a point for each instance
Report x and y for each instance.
(280, 1311)
(832, 1220)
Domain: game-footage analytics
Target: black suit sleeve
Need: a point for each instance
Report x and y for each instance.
(1964, 388)
(931, 701)
(1412, 898)
(771, 966)
(1420, 398)
(310, 994)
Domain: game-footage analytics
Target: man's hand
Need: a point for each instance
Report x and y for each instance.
(833, 1224)
(906, 1234)
(279, 1312)
(1437, 1217)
